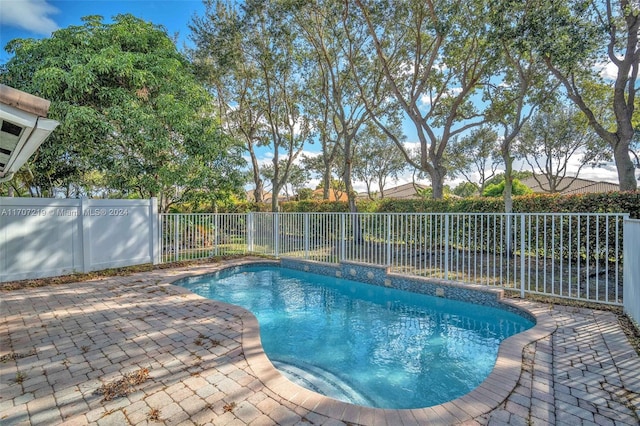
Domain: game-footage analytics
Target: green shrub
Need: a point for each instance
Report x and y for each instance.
(610, 202)
(497, 189)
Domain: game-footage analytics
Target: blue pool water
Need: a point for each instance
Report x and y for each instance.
(364, 344)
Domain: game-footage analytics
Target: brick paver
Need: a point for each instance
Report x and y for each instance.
(574, 376)
(60, 344)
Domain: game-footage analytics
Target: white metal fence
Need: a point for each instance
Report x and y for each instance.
(577, 255)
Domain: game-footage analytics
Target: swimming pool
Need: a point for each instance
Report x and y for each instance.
(368, 345)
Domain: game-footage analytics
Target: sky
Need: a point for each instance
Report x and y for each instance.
(39, 18)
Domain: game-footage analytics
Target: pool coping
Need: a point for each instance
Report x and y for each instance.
(493, 391)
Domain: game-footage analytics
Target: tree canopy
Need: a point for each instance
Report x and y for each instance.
(577, 40)
(134, 120)
(468, 77)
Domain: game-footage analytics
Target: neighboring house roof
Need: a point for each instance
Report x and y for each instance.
(266, 196)
(578, 186)
(319, 193)
(404, 191)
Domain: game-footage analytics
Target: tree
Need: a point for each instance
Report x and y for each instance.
(501, 177)
(336, 187)
(435, 57)
(132, 115)
(304, 194)
(476, 154)
(551, 140)
(497, 189)
(297, 179)
(376, 160)
(466, 189)
(322, 120)
(258, 43)
(270, 36)
(576, 39)
(324, 24)
(224, 63)
(519, 90)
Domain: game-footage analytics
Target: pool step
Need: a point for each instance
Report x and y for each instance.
(321, 381)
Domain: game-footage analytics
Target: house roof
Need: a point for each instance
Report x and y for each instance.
(319, 193)
(266, 196)
(24, 128)
(404, 191)
(578, 186)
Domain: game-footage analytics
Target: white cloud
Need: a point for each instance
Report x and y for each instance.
(425, 99)
(31, 15)
(609, 71)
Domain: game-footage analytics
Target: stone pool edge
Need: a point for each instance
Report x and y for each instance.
(493, 391)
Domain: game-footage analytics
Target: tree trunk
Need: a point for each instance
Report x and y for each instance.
(438, 173)
(274, 196)
(508, 201)
(351, 194)
(259, 191)
(326, 184)
(508, 183)
(625, 167)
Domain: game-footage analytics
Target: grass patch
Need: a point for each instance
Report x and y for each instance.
(20, 377)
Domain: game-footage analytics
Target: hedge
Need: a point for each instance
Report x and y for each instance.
(610, 202)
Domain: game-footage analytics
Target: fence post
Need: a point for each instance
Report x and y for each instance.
(522, 260)
(306, 235)
(216, 231)
(176, 236)
(342, 237)
(250, 231)
(446, 246)
(154, 227)
(276, 230)
(84, 222)
(388, 239)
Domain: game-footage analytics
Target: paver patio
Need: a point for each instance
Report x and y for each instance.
(60, 344)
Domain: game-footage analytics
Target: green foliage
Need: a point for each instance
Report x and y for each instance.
(436, 60)
(574, 39)
(610, 202)
(130, 110)
(476, 157)
(307, 206)
(514, 174)
(497, 189)
(466, 189)
(377, 159)
(247, 54)
(305, 194)
(553, 138)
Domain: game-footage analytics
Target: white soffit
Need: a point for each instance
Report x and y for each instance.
(22, 132)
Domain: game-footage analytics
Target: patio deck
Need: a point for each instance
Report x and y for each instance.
(60, 344)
